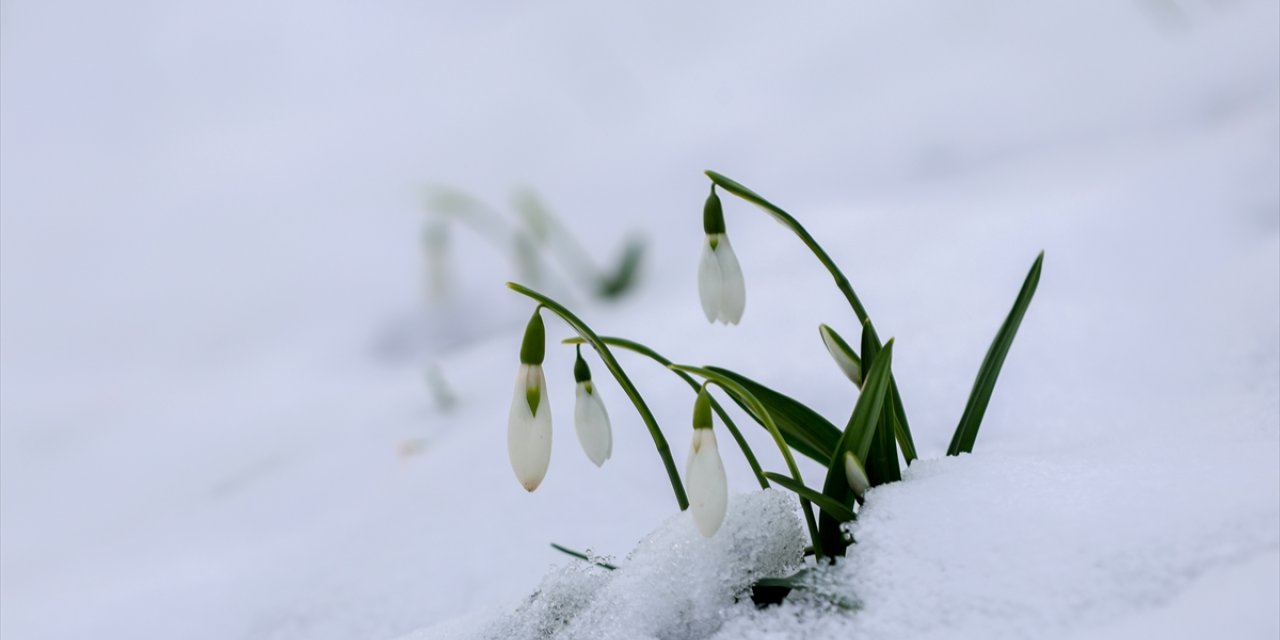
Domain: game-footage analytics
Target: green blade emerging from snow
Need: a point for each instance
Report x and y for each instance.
(967, 431)
(827, 505)
(881, 460)
(584, 557)
(857, 438)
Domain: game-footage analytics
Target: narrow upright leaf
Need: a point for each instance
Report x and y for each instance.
(967, 431)
(881, 461)
(857, 438)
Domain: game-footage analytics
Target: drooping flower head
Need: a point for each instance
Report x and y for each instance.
(529, 424)
(720, 284)
(704, 471)
(590, 419)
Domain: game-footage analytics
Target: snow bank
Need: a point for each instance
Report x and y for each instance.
(675, 584)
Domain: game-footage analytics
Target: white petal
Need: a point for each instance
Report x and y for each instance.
(529, 435)
(709, 281)
(591, 421)
(705, 483)
(733, 290)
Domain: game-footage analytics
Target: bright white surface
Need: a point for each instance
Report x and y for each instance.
(210, 219)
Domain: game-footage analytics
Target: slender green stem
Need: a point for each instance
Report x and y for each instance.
(636, 347)
(794, 225)
(756, 407)
(904, 434)
(606, 356)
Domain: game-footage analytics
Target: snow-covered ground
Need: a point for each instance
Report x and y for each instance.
(212, 425)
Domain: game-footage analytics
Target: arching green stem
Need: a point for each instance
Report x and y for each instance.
(756, 407)
(902, 429)
(659, 441)
(636, 347)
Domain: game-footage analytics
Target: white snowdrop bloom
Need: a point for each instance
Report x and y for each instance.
(720, 284)
(856, 475)
(529, 425)
(590, 419)
(704, 472)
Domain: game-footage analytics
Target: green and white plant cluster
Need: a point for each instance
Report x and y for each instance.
(861, 455)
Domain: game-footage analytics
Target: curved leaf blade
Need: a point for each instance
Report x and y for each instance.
(826, 504)
(804, 429)
(967, 431)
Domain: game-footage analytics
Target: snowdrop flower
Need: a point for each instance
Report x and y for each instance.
(720, 284)
(529, 427)
(856, 475)
(842, 353)
(704, 472)
(590, 419)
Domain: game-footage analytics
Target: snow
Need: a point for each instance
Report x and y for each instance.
(213, 420)
(675, 584)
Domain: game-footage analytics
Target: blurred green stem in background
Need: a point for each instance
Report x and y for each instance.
(536, 234)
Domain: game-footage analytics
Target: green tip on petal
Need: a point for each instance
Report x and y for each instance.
(713, 214)
(533, 395)
(581, 372)
(702, 410)
(534, 347)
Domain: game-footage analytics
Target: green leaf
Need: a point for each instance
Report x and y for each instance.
(881, 460)
(624, 275)
(827, 505)
(974, 410)
(857, 438)
(900, 427)
(843, 355)
(804, 429)
(582, 556)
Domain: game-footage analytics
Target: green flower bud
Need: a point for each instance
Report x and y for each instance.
(702, 410)
(534, 347)
(713, 214)
(581, 373)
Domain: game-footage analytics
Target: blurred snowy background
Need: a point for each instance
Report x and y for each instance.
(213, 416)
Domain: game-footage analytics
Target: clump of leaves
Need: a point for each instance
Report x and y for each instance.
(862, 454)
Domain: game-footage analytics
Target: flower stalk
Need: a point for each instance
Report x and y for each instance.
(611, 363)
(636, 347)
